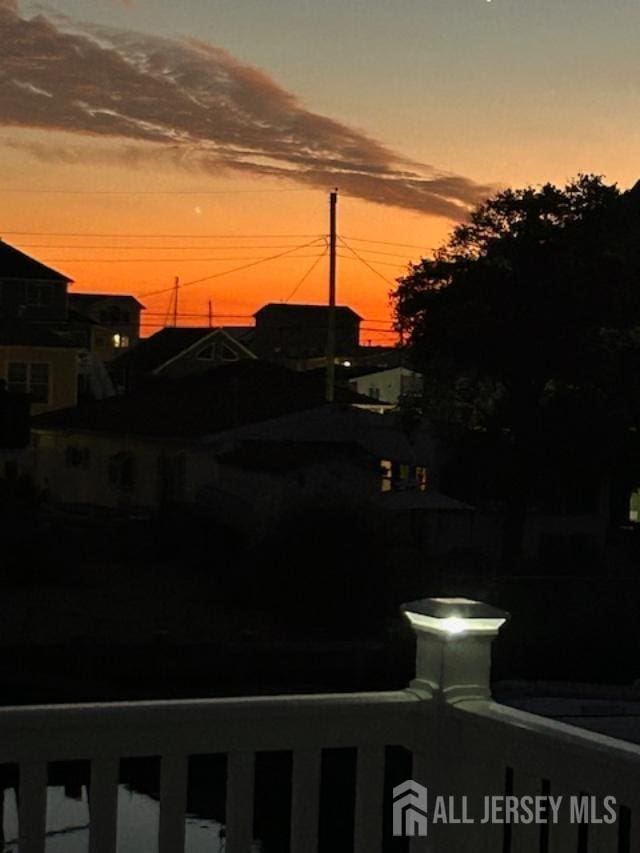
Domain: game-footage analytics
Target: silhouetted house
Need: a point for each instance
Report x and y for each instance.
(30, 290)
(298, 332)
(174, 352)
(116, 315)
(163, 443)
(35, 305)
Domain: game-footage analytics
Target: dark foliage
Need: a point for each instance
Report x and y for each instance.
(527, 326)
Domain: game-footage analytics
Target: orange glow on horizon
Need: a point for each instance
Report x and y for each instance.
(132, 230)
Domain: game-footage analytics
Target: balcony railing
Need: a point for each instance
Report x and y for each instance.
(462, 745)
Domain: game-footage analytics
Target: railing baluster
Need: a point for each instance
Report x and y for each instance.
(239, 819)
(32, 811)
(369, 800)
(422, 765)
(633, 818)
(103, 805)
(526, 836)
(305, 801)
(173, 803)
(563, 836)
(603, 838)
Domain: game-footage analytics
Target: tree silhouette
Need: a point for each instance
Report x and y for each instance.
(527, 326)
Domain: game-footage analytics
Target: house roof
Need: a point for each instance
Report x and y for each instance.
(279, 457)
(412, 499)
(152, 352)
(195, 406)
(377, 434)
(304, 314)
(87, 300)
(15, 264)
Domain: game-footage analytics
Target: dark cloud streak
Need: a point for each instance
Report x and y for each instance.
(195, 97)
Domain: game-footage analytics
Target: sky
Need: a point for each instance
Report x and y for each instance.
(143, 140)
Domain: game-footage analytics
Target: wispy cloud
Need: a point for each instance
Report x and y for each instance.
(196, 98)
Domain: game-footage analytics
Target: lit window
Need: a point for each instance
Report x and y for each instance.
(120, 341)
(421, 478)
(386, 473)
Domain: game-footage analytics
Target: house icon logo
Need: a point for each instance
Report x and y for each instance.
(410, 809)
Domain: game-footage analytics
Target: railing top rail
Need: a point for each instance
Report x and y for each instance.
(537, 729)
(66, 732)
(287, 703)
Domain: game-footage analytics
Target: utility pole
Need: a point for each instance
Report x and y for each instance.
(176, 288)
(331, 318)
(210, 314)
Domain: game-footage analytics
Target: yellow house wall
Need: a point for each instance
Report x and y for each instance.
(63, 373)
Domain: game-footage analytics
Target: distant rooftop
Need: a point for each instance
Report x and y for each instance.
(15, 264)
(156, 350)
(89, 298)
(301, 313)
(193, 407)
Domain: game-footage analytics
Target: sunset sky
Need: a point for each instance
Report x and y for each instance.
(191, 138)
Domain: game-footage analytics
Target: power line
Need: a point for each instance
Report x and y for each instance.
(232, 270)
(163, 236)
(225, 247)
(373, 261)
(307, 274)
(389, 243)
(163, 260)
(366, 263)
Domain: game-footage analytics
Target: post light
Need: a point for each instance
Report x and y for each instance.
(454, 636)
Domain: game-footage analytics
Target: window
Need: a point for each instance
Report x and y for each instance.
(39, 383)
(18, 377)
(207, 354)
(120, 341)
(228, 354)
(386, 473)
(77, 457)
(121, 470)
(39, 295)
(33, 379)
(374, 392)
(421, 478)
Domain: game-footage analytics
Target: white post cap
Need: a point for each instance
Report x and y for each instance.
(453, 655)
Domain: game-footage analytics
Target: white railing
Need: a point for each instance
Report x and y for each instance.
(463, 745)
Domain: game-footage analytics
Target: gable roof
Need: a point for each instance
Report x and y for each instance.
(152, 353)
(15, 264)
(87, 300)
(303, 314)
(229, 396)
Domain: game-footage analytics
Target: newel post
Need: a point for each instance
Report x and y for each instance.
(453, 651)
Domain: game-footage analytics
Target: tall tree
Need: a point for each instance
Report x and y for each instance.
(527, 327)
